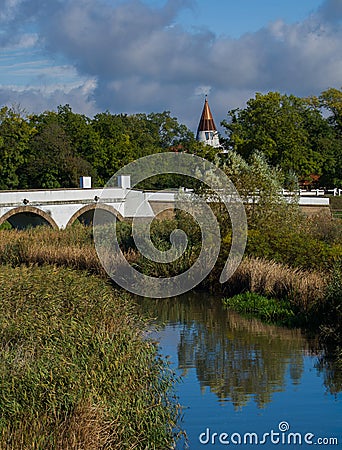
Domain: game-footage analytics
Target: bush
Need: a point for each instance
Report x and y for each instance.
(294, 247)
(325, 229)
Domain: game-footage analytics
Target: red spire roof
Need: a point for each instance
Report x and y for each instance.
(206, 122)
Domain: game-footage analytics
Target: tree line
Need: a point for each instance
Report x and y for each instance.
(301, 136)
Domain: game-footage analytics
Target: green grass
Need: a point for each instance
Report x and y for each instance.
(269, 310)
(5, 226)
(75, 371)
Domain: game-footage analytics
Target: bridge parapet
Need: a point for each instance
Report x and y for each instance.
(58, 196)
(63, 206)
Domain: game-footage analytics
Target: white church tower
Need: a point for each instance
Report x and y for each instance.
(207, 131)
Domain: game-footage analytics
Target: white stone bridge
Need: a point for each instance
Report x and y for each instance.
(60, 208)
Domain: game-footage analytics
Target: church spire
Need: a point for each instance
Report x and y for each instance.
(207, 131)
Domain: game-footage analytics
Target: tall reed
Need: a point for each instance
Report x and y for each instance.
(74, 248)
(75, 370)
(303, 288)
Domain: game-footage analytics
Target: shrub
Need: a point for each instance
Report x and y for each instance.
(294, 247)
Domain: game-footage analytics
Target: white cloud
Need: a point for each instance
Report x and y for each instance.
(143, 61)
(35, 99)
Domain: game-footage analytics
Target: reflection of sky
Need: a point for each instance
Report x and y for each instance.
(304, 404)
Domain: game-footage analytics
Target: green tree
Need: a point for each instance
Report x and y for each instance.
(115, 147)
(168, 131)
(84, 140)
(15, 134)
(126, 138)
(331, 99)
(51, 161)
(276, 125)
(260, 187)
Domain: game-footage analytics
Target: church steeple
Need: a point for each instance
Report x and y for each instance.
(207, 131)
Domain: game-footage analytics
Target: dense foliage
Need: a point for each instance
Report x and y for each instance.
(301, 135)
(54, 148)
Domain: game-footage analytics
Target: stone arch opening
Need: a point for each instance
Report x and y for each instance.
(26, 217)
(104, 215)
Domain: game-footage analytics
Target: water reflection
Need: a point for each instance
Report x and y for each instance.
(239, 359)
(332, 374)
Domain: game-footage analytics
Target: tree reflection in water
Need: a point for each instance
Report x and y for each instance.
(238, 358)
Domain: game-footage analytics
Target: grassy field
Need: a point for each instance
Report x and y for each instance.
(75, 370)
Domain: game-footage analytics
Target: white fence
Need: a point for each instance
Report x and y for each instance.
(314, 192)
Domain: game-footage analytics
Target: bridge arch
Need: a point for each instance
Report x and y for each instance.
(86, 214)
(25, 216)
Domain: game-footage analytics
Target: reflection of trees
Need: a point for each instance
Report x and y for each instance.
(332, 372)
(238, 358)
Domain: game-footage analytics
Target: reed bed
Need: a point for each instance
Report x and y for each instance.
(74, 248)
(75, 370)
(69, 248)
(303, 288)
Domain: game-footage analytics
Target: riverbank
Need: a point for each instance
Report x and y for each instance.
(74, 248)
(76, 371)
(313, 295)
(292, 297)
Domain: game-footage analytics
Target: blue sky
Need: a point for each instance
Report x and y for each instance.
(234, 18)
(155, 55)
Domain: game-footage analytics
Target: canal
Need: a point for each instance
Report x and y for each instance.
(244, 383)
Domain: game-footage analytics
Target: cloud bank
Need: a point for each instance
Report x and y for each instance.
(131, 57)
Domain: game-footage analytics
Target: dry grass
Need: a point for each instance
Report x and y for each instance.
(302, 287)
(46, 246)
(74, 248)
(84, 429)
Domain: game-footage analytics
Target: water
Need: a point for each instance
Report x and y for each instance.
(241, 376)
